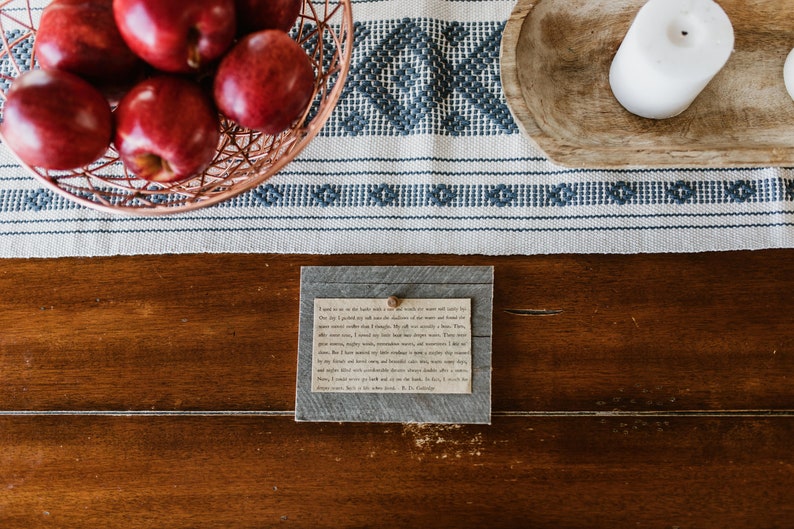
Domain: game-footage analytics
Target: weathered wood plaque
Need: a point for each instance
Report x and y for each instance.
(395, 344)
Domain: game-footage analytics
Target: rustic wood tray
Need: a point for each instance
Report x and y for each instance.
(555, 60)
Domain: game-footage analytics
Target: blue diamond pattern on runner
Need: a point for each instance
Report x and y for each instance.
(423, 76)
(268, 195)
(159, 198)
(622, 192)
(741, 191)
(354, 124)
(38, 199)
(446, 194)
(405, 78)
(501, 195)
(383, 195)
(561, 195)
(681, 192)
(479, 74)
(325, 195)
(442, 195)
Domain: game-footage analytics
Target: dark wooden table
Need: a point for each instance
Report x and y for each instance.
(158, 392)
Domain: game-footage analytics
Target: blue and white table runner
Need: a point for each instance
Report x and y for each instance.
(422, 156)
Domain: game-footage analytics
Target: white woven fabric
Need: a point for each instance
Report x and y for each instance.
(421, 156)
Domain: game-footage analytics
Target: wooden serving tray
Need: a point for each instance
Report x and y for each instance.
(555, 60)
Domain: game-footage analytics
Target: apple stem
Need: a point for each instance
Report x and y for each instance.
(193, 55)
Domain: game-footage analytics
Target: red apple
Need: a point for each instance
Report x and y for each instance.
(179, 36)
(56, 120)
(80, 36)
(256, 15)
(265, 82)
(166, 129)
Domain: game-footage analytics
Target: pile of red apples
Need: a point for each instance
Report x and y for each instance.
(152, 78)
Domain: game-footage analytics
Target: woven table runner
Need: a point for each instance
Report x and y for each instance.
(421, 155)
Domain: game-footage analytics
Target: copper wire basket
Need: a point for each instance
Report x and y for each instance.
(244, 159)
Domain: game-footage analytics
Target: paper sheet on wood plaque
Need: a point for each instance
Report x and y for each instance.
(364, 346)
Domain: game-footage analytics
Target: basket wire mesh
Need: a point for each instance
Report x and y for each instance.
(244, 158)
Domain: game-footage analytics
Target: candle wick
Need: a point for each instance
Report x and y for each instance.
(684, 33)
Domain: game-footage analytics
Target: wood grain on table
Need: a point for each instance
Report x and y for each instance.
(628, 391)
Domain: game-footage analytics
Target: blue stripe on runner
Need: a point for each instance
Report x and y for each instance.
(552, 195)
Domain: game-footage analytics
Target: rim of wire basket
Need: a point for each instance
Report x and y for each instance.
(244, 158)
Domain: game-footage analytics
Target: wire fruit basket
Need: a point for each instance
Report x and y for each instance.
(244, 158)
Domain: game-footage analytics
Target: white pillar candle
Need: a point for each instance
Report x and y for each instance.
(788, 73)
(670, 53)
